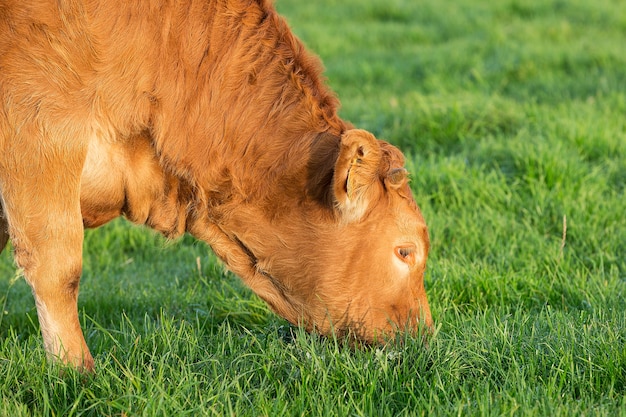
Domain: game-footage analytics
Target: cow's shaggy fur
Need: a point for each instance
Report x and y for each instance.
(200, 116)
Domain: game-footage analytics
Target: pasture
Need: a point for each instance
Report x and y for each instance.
(512, 116)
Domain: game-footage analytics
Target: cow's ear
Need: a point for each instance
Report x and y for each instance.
(396, 178)
(356, 170)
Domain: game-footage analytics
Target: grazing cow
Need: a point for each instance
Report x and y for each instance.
(207, 117)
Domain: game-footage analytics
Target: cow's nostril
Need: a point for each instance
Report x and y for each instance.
(406, 253)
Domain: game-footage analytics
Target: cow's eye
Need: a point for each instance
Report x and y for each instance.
(406, 253)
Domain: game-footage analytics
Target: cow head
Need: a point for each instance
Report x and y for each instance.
(373, 258)
(339, 245)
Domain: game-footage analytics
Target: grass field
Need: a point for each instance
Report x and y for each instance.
(513, 118)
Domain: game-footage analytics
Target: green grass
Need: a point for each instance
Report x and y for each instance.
(512, 116)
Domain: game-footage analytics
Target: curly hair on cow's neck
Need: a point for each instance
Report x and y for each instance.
(246, 76)
(303, 68)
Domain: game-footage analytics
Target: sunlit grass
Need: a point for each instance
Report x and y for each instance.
(511, 115)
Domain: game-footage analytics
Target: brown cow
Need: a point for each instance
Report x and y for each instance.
(207, 117)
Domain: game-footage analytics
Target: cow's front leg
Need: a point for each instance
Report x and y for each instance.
(40, 186)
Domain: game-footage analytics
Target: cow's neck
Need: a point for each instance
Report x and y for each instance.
(241, 103)
(242, 126)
